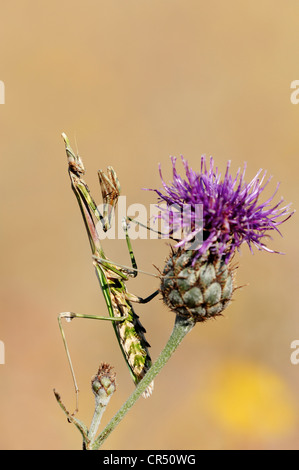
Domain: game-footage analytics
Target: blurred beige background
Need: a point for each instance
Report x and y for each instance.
(133, 82)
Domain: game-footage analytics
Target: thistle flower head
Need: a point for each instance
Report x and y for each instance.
(232, 212)
(198, 281)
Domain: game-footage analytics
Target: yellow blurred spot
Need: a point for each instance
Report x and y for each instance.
(246, 397)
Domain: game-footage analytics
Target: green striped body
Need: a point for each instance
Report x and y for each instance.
(129, 332)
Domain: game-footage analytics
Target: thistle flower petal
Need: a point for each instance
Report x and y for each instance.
(232, 211)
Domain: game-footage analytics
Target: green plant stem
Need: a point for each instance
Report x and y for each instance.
(99, 411)
(181, 328)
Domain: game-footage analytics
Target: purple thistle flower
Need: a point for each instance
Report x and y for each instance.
(231, 211)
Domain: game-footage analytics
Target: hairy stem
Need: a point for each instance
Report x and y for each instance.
(181, 328)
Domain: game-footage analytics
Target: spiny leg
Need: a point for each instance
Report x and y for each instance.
(69, 316)
(133, 271)
(130, 297)
(150, 229)
(129, 245)
(126, 270)
(129, 271)
(141, 300)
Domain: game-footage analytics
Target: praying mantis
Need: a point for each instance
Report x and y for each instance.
(112, 277)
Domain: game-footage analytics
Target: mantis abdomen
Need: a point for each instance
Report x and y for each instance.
(130, 334)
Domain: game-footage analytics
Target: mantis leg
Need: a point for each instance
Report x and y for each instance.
(150, 229)
(130, 297)
(129, 245)
(141, 300)
(110, 265)
(68, 316)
